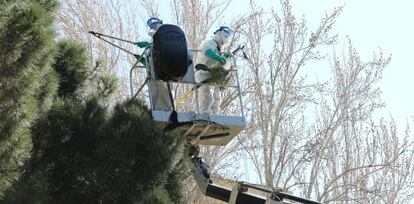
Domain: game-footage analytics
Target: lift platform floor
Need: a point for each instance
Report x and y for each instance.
(203, 128)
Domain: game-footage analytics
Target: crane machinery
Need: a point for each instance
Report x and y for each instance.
(169, 60)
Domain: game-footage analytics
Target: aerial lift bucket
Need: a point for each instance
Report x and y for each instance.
(170, 61)
(163, 66)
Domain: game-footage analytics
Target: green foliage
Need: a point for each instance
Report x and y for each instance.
(62, 162)
(48, 5)
(26, 52)
(157, 195)
(87, 156)
(66, 143)
(79, 150)
(175, 179)
(137, 151)
(106, 86)
(72, 67)
(99, 83)
(218, 75)
(47, 91)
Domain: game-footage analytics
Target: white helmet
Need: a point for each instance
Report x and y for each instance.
(223, 35)
(153, 24)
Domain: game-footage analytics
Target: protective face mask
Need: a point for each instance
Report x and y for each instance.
(225, 38)
(151, 32)
(154, 29)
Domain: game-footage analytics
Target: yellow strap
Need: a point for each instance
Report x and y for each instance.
(181, 99)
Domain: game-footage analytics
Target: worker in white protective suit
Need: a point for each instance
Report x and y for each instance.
(211, 57)
(160, 97)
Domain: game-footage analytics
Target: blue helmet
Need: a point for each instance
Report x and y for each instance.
(153, 22)
(228, 31)
(223, 35)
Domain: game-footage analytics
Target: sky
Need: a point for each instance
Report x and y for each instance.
(377, 24)
(370, 24)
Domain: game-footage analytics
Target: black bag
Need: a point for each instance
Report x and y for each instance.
(170, 59)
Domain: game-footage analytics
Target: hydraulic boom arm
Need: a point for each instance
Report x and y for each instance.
(239, 194)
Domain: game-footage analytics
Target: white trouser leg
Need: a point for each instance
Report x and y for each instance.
(160, 95)
(215, 107)
(205, 98)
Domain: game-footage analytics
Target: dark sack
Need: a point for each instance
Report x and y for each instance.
(170, 57)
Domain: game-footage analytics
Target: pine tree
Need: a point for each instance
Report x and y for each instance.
(80, 150)
(71, 66)
(138, 155)
(27, 81)
(85, 152)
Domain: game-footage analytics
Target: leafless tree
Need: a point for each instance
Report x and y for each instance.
(325, 158)
(318, 139)
(354, 155)
(114, 18)
(276, 91)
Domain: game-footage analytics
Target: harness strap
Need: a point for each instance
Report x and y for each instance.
(174, 116)
(202, 67)
(218, 47)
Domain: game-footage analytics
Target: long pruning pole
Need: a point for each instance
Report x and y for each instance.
(108, 36)
(138, 57)
(100, 35)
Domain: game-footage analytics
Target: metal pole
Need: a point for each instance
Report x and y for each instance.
(238, 88)
(133, 67)
(296, 198)
(142, 86)
(108, 36)
(98, 35)
(196, 99)
(130, 78)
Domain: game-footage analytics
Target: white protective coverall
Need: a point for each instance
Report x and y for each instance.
(209, 96)
(160, 95)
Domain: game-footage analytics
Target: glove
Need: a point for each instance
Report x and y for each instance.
(143, 44)
(227, 54)
(141, 59)
(215, 56)
(222, 60)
